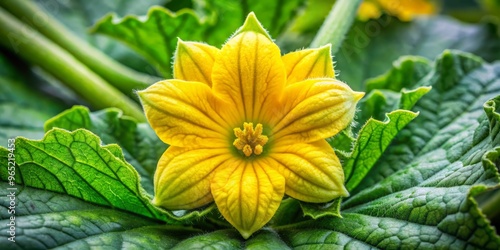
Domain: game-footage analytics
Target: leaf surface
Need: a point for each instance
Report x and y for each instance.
(75, 163)
(45, 219)
(155, 35)
(420, 193)
(141, 147)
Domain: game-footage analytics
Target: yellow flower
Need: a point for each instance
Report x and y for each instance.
(405, 10)
(246, 126)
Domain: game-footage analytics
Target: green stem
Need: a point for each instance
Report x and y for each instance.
(115, 73)
(38, 50)
(337, 24)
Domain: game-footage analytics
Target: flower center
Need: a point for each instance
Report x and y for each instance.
(250, 140)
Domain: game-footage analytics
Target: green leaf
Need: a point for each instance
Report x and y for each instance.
(316, 211)
(426, 203)
(392, 90)
(380, 102)
(424, 183)
(371, 47)
(289, 212)
(383, 114)
(266, 239)
(45, 219)
(227, 15)
(230, 239)
(461, 84)
(155, 35)
(420, 194)
(141, 147)
(372, 141)
(222, 239)
(342, 142)
(405, 71)
(492, 111)
(75, 163)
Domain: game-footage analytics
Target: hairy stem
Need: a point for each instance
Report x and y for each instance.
(38, 50)
(120, 76)
(336, 24)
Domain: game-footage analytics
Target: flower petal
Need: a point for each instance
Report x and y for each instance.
(186, 114)
(406, 10)
(182, 179)
(247, 193)
(193, 62)
(249, 71)
(368, 10)
(314, 109)
(309, 63)
(312, 171)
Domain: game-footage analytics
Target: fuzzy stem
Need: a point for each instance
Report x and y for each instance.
(38, 50)
(120, 76)
(337, 24)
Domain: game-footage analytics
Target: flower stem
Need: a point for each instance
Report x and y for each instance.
(120, 76)
(38, 50)
(337, 24)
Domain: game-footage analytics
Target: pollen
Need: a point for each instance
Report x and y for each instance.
(249, 140)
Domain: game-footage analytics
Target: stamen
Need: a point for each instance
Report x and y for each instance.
(239, 144)
(249, 140)
(258, 149)
(247, 150)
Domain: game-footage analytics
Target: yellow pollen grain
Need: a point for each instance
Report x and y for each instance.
(249, 140)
